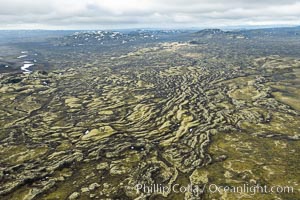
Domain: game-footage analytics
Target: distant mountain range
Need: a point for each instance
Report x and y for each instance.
(242, 34)
(113, 37)
(81, 38)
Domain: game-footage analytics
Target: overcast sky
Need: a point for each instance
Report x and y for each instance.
(112, 14)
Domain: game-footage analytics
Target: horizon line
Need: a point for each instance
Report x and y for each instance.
(245, 27)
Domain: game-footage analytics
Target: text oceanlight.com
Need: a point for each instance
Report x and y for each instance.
(211, 188)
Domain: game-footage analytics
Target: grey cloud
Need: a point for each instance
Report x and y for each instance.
(68, 14)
